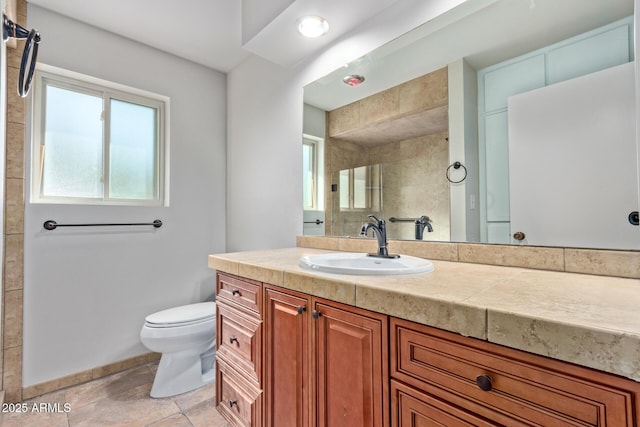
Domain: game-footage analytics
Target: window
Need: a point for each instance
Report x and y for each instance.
(310, 181)
(96, 142)
(354, 186)
(360, 188)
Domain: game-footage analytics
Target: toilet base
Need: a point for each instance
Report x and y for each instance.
(179, 373)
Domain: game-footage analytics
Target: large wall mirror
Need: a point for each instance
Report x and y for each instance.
(500, 121)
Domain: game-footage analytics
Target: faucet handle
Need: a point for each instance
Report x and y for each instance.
(423, 219)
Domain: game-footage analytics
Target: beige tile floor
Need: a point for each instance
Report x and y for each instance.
(122, 400)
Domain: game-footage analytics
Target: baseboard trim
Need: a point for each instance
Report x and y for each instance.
(88, 375)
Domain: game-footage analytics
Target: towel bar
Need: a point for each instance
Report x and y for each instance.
(52, 225)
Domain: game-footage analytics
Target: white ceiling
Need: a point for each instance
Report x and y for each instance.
(204, 31)
(209, 32)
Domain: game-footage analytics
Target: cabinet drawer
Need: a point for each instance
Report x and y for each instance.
(243, 293)
(239, 402)
(239, 341)
(531, 389)
(411, 408)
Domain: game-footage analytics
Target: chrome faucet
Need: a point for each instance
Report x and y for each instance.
(380, 232)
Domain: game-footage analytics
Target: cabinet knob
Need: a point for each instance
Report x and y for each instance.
(233, 340)
(316, 314)
(484, 382)
(519, 235)
(233, 403)
(301, 309)
(235, 293)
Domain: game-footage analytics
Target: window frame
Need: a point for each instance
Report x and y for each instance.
(47, 75)
(313, 141)
(351, 190)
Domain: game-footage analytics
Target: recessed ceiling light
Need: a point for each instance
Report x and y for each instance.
(353, 79)
(313, 26)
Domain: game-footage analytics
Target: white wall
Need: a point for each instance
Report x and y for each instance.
(636, 46)
(87, 291)
(264, 150)
(264, 156)
(314, 124)
(314, 121)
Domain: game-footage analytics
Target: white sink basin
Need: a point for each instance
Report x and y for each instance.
(359, 263)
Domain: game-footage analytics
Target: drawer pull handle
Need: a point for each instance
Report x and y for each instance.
(232, 403)
(233, 340)
(235, 293)
(484, 382)
(301, 309)
(316, 314)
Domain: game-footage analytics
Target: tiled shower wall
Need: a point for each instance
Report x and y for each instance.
(11, 363)
(414, 184)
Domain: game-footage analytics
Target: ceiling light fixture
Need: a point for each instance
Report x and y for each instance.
(353, 79)
(313, 26)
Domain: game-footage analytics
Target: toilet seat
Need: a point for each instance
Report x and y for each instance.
(185, 315)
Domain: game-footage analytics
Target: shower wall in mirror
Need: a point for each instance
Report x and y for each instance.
(387, 155)
(405, 183)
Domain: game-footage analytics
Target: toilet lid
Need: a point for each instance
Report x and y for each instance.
(182, 315)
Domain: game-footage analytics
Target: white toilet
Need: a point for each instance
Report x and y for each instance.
(186, 337)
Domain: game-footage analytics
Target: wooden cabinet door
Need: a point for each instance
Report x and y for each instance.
(287, 371)
(351, 348)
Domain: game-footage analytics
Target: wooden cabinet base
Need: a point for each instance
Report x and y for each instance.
(287, 359)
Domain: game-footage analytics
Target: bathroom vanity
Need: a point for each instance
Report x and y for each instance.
(466, 344)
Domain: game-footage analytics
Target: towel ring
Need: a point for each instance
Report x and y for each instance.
(29, 54)
(456, 165)
(29, 58)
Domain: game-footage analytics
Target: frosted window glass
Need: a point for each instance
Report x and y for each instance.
(72, 144)
(344, 188)
(308, 177)
(132, 151)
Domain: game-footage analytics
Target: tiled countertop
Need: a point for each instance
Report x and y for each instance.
(589, 320)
